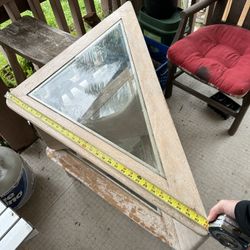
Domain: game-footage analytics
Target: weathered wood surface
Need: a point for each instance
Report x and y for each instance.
(22, 6)
(35, 40)
(12, 9)
(231, 12)
(113, 194)
(16, 67)
(37, 9)
(13, 128)
(175, 235)
(77, 17)
(59, 15)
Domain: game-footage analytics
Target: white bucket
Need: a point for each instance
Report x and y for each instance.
(16, 179)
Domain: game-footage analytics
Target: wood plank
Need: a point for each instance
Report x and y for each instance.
(106, 7)
(22, 6)
(235, 12)
(90, 6)
(219, 11)
(158, 224)
(187, 238)
(244, 13)
(2, 2)
(210, 14)
(175, 165)
(34, 40)
(59, 15)
(18, 72)
(227, 10)
(246, 23)
(115, 4)
(12, 10)
(37, 10)
(116, 196)
(77, 17)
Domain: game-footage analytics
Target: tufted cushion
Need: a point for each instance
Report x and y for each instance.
(218, 54)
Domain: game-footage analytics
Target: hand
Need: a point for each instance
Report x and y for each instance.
(222, 207)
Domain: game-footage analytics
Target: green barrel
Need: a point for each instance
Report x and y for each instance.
(161, 30)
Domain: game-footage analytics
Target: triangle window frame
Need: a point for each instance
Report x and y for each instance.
(178, 180)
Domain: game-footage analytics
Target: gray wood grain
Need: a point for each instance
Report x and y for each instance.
(35, 40)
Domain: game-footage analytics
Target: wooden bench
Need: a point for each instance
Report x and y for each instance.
(32, 38)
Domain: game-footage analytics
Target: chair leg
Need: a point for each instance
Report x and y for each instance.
(239, 117)
(171, 71)
(18, 72)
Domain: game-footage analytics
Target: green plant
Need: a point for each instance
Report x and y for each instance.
(7, 75)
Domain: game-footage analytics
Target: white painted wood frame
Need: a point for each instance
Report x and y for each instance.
(177, 180)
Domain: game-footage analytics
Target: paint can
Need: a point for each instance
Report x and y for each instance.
(16, 179)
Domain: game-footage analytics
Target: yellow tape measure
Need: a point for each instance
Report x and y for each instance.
(150, 187)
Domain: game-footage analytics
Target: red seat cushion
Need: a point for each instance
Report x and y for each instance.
(218, 54)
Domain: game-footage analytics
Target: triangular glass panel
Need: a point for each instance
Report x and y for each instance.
(99, 89)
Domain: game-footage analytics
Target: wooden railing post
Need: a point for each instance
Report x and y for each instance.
(77, 17)
(90, 6)
(13, 128)
(36, 9)
(59, 15)
(12, 10)
(17, 69)
(106, 7)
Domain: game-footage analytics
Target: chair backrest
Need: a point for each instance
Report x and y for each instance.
(234, 12)
(14, 13)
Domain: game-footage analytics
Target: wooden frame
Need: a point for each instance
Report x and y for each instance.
(178, 177)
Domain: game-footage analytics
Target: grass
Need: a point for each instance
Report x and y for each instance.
(9, 79)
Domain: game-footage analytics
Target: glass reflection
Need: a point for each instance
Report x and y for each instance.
(99, 89)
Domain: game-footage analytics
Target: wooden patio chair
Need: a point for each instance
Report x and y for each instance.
(217, 54)
(32, 38)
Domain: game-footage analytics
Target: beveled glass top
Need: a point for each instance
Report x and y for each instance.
(99, 89)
